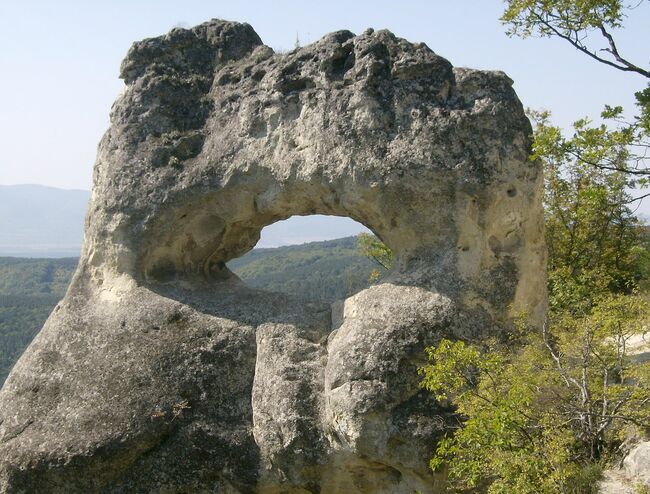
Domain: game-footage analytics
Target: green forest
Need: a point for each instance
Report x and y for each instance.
(326, 271)
(30, 288)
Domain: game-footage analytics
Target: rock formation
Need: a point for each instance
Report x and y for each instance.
(160, 371)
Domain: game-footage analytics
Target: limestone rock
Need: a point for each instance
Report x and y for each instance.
(632, 476)
(160, 371)
(637, 464)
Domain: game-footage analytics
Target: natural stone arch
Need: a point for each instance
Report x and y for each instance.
(200, 236)
(213, 138)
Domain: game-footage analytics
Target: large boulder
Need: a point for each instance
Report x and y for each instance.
(637, 464)
(160, 371)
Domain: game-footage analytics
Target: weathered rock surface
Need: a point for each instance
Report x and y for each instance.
(633, 475)
(637, 464)
(161, 372)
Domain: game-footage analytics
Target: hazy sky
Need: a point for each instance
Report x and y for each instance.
(60, 61)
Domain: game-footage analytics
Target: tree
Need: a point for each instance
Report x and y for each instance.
(573, 21)
(595, 242)
(375, 250)
(617, 144)
(543, 418)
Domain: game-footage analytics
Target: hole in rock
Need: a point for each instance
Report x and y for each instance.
(314, 257)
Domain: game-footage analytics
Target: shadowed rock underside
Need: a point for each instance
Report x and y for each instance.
(160, 371)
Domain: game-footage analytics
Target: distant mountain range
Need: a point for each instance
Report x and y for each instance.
(40, 221)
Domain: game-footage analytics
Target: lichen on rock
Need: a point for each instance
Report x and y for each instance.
(160, 371)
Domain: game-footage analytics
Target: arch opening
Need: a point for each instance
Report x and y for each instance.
(197, 239)
(313, 257)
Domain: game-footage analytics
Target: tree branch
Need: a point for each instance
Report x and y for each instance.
(640, 198)
(578, 156)
(614, 51)
(579, 46)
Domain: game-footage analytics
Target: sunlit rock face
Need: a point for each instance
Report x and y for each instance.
(162, 372)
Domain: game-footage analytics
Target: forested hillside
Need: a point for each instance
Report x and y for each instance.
(325, 271)
(30, 288)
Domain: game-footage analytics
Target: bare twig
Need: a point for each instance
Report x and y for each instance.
(576, 42)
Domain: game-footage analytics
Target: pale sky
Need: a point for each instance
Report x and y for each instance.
(60, 61)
